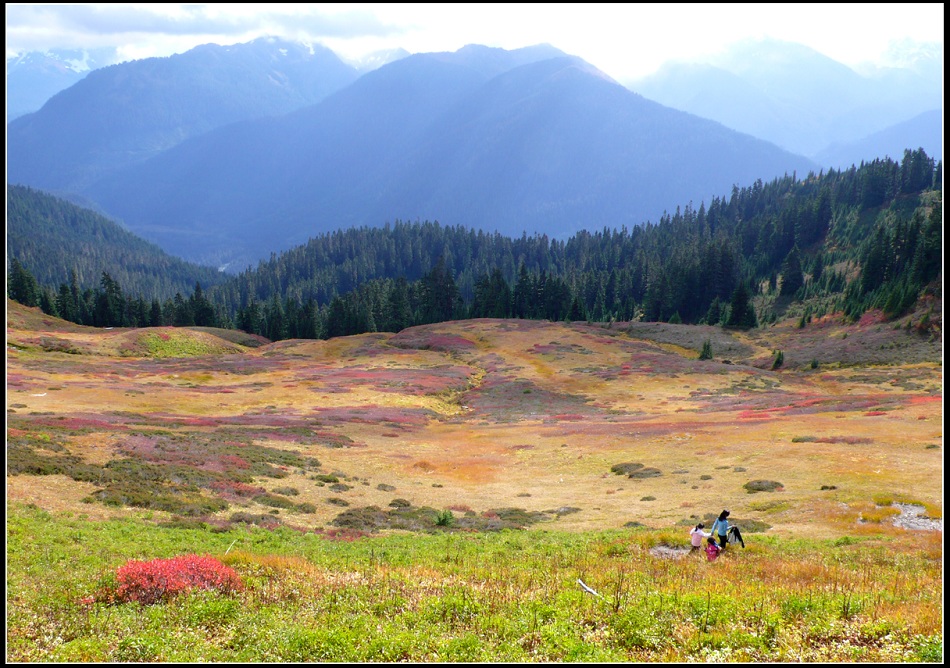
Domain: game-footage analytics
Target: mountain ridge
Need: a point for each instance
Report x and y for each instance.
(122, 114)
(403, 142)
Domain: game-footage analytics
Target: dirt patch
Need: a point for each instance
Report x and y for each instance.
(667, 552)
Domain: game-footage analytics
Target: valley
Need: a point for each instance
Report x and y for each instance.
(492, 413)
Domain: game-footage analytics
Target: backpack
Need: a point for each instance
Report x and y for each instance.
(735, 536)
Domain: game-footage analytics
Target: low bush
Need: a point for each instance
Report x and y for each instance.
(263, 520)
(645, 473)
(626, 468)
(159, 580)
(445, 518)
(274, 501)
(754, 486)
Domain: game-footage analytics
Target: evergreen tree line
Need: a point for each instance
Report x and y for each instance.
(795, 238)
(107, 305)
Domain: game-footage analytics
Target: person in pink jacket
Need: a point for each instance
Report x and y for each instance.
(696, 536)
(712, 549)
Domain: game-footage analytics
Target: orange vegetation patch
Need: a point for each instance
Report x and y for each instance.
(926, 400)
(94, 448)
(872, 317)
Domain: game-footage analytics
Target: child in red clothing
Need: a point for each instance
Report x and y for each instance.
(712, 549)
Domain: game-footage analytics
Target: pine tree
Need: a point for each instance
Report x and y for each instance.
(21, 286)
(792, 276)
(741, 312)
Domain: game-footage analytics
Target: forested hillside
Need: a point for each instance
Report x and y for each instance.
(868, 237)
(58, 241)
(840, 242)
(81, 266)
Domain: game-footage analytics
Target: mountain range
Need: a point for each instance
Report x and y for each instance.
(804, 101)
(529, 140)
(224, 155)
(123, 114)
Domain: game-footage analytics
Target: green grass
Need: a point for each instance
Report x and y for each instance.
(177, 344)
(460, 597)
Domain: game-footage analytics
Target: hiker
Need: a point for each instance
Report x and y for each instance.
(721, 528)
(696, 536)
(712, 550)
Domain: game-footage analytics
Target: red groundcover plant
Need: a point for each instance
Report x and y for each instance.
(159, 580)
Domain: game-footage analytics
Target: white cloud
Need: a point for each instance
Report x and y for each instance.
(625, 40)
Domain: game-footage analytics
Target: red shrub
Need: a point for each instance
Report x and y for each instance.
(159, 580)
(235, 462)
(872, 317)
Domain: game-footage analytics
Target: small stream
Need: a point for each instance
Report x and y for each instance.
(911, 517)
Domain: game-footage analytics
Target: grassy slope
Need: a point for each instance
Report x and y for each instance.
(481, 415)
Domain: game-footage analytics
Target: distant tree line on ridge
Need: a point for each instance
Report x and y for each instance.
(867, 237)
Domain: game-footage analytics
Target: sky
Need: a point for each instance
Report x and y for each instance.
(624, 40)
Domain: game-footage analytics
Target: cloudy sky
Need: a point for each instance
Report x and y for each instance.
(625, 41)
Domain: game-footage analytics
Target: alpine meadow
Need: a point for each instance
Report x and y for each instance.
(442, 359)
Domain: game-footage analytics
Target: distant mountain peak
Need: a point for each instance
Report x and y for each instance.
(79, 61)
(910, 54)
(376, 59)
(798, 98)
(762, 55)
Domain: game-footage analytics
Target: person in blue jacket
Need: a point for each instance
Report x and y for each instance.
(721, 528)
